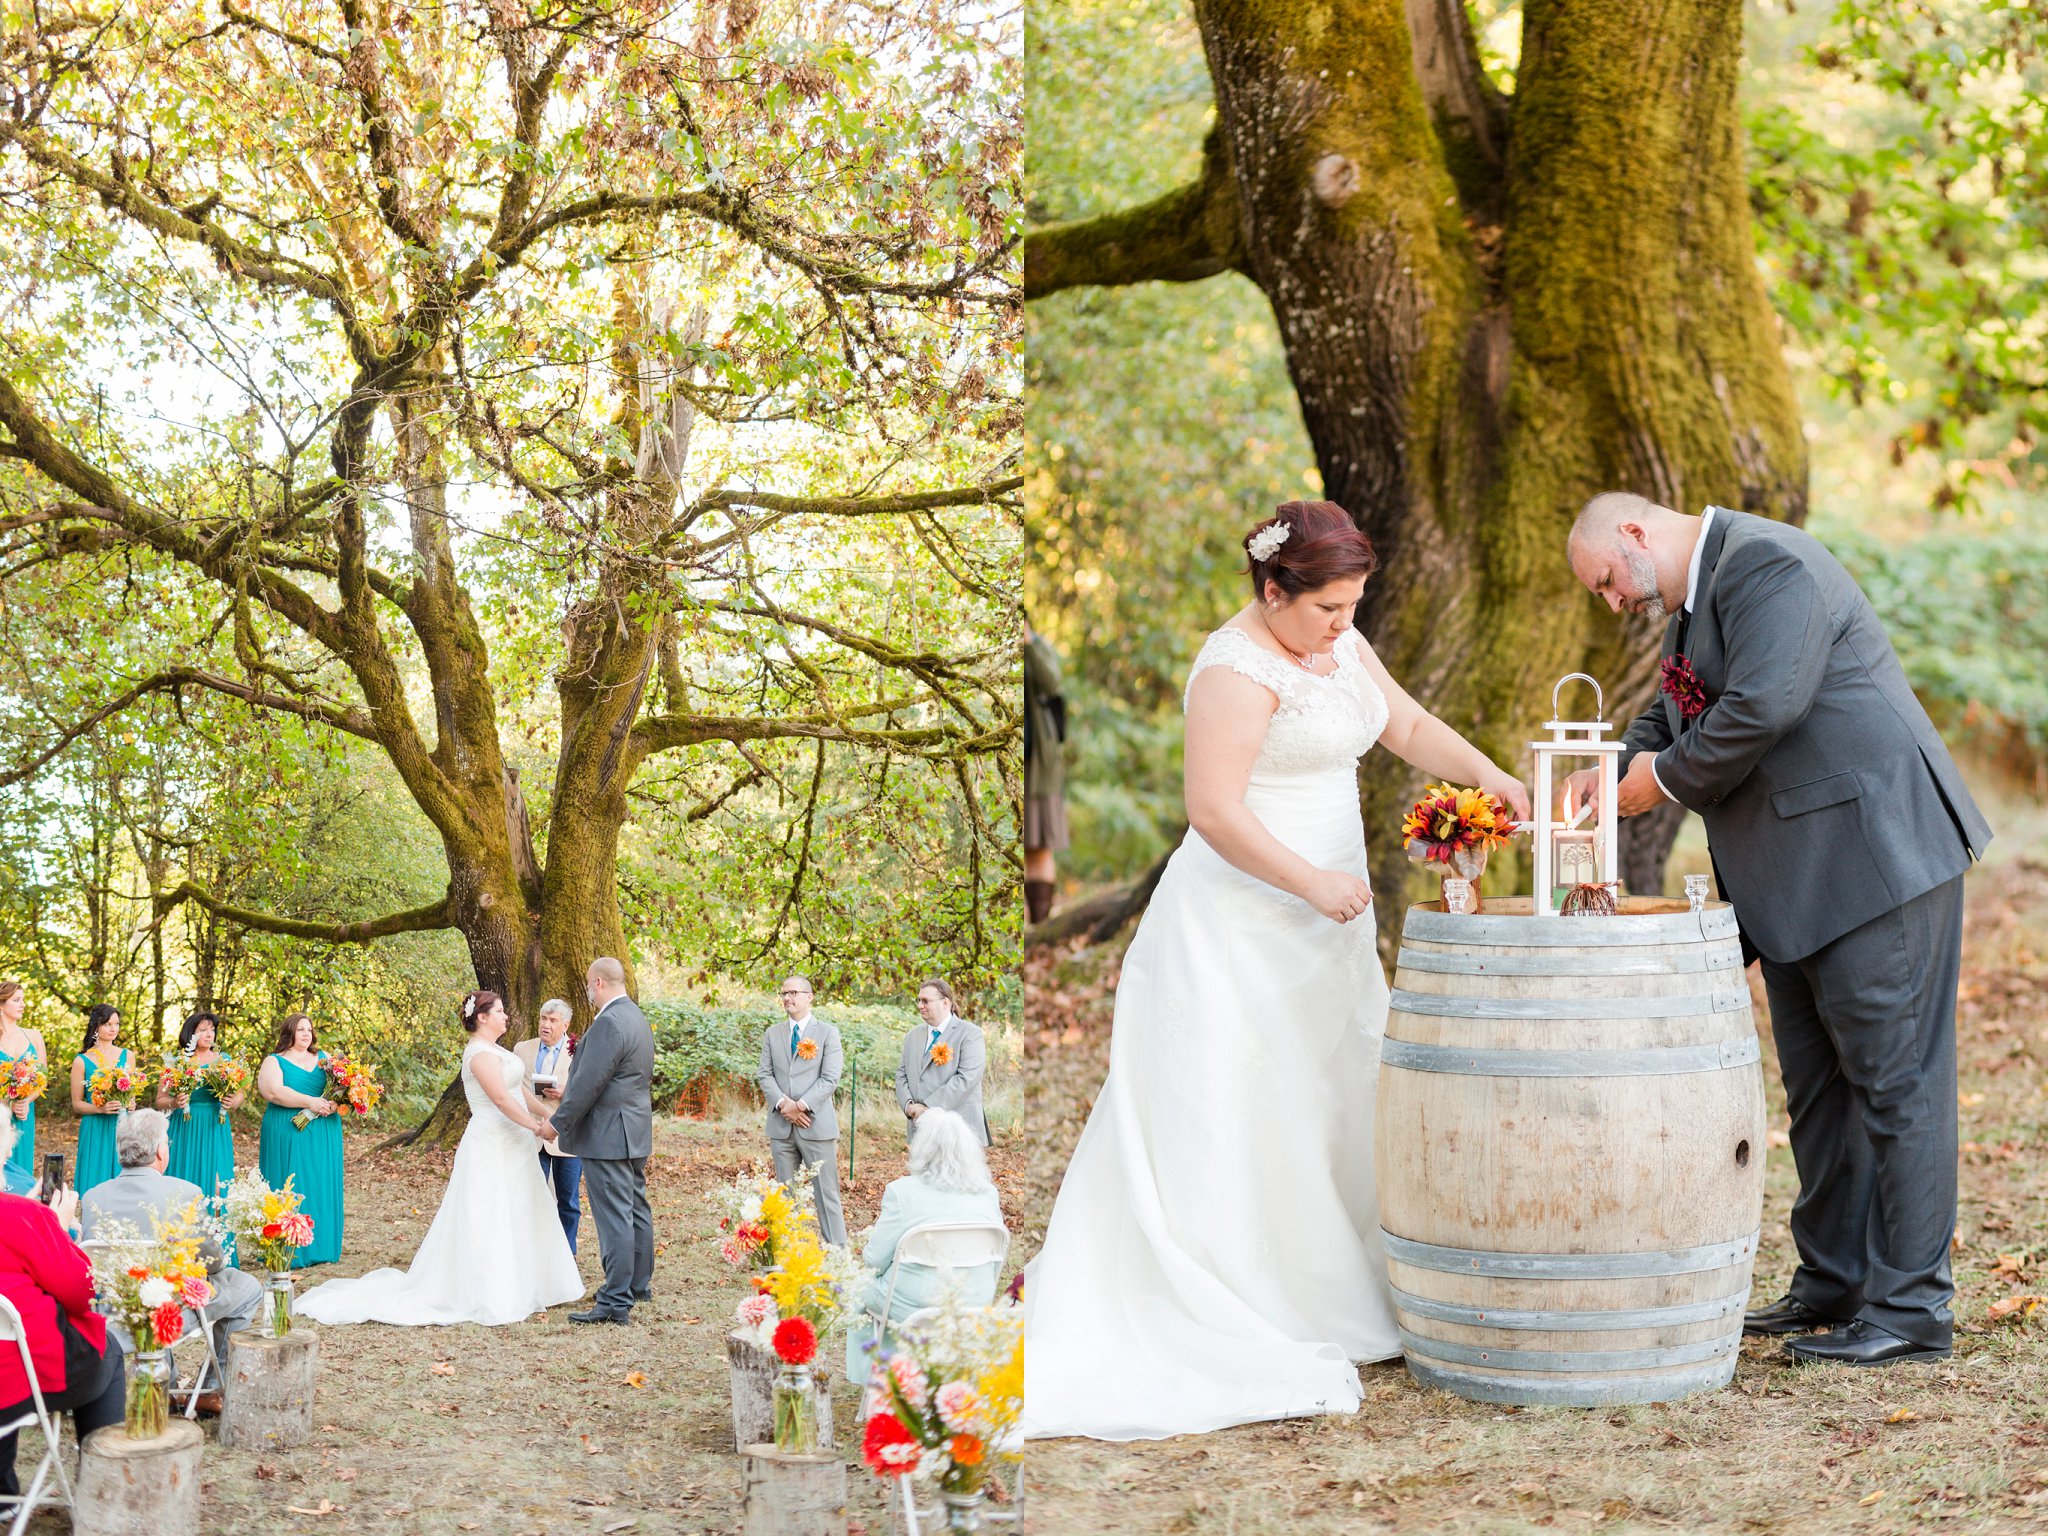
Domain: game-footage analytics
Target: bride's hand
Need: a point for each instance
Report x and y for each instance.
(1506, 786)
(1338, 896)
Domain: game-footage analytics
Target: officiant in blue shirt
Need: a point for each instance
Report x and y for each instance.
(551, 1056)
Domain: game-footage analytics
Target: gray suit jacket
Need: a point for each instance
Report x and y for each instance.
(1829, 799)
(785, 1075)
(607, 1110)
(956, 1085)
(138, 1198)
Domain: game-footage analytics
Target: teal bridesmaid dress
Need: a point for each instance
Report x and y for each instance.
(97, 1160)
(310, 1158)
(20, 1175)
(202, 1143)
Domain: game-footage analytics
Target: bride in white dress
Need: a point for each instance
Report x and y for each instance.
(1213, 1257)
(495, 1252)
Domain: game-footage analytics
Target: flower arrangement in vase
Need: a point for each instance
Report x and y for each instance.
(145, 1285)
(951, 1393)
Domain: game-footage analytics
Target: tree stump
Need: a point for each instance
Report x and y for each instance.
(783, 1495)
(139, 1487)
(753, 1394)
(268, 1399)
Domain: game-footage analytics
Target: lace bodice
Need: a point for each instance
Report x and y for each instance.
(479, 1057)
(1323, 723)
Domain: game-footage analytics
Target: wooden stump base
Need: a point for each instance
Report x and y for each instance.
(268, 1399)
(784, 1495)
(753, 1395)
(139, 1487)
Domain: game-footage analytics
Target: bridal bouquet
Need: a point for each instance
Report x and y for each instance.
(951, 1390)
(1447, 822)
(25, 1081)
(224, 1078)
(114, 1085)
(350, 1083)
(176, 1077)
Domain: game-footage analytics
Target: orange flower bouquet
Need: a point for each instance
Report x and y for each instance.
(24, 1082)
(351, 1084)
(116, 1085)
(1456, 829)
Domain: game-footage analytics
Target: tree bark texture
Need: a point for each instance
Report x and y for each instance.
(1491, 309)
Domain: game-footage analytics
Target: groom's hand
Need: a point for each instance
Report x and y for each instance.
(1638, 791)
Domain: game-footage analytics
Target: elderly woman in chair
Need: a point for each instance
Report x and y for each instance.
(948, 1183)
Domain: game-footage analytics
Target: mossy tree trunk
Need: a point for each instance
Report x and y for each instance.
(1491, 308)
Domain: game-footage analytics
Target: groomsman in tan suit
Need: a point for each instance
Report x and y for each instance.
(801, 1062)
(942, 1064)
(551, 1056)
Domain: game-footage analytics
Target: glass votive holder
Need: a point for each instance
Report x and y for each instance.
(1696, 891)
(1457, 894)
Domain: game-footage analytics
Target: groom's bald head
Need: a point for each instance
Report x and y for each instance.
(1631, 553)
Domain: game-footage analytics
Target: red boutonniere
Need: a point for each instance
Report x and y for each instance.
(1683, 687)
(807, 1050)
(941, 1054)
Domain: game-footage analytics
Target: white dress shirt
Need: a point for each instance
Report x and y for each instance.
(1692, 587)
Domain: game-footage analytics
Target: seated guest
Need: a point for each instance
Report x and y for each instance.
(142, 1196)
(48, 1278)
(948, 1181)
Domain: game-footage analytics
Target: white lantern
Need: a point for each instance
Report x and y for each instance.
(1567, 854)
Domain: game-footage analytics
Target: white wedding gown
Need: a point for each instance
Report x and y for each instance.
(1214, 1256)
(495, 1252)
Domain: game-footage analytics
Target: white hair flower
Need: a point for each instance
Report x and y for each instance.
(1264, 544)
(469, 1005)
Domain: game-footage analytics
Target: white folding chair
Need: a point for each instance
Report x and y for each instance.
(12, 1331)
(940, 1245)
(108, 1249)
(945, 1246)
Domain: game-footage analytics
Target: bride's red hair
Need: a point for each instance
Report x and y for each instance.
(1323, 545)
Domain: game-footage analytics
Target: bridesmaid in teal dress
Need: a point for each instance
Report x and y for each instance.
(293, 1078)
(202, 1141)
(20, 1175)
(97, 1161)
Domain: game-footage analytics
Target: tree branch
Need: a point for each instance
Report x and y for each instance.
(418, 920)
(1183, 237)
(1470, 114)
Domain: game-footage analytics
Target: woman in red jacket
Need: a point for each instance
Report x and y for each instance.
(48, 1278)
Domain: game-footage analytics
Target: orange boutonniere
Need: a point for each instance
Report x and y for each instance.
(807, 1050)
(941, 1054)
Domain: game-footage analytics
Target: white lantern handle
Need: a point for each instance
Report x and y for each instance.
(1599, 699)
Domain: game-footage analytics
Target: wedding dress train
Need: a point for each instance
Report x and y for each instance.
(1213, 1257)
(495, 1252)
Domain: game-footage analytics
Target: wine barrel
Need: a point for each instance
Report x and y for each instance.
(1570, 1148)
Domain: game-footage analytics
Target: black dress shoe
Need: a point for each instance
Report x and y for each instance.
(1788, 1314)
(1861, 1343)
(597, 1315)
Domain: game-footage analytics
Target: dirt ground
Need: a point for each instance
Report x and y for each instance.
(1963, 1444)
(542, 1429)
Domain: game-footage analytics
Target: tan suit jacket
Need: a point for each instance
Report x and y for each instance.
(528, 1052)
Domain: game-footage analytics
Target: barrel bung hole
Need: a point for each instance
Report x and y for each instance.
(1742, 1154)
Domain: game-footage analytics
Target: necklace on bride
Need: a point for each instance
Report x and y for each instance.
(1306, 663)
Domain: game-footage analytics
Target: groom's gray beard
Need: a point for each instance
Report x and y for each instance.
(1642, 571)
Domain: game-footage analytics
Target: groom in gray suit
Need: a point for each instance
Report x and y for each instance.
(800, 1066)
(1840, 830)
(606, 1117)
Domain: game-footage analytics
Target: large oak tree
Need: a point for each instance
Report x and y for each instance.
(607, 330)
